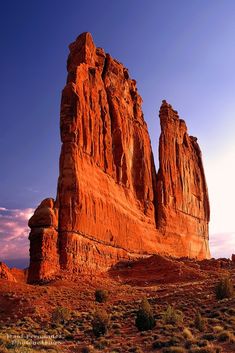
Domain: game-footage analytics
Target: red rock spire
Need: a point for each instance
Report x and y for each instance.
(110, 203)
(183, 204)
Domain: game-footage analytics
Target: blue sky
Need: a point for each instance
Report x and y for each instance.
(182, 51)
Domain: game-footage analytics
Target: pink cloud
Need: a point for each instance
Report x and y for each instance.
(222, 244)
(14, 233)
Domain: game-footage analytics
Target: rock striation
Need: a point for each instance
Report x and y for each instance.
(182, 197)
(111, 204)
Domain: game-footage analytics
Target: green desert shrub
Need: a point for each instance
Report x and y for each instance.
(172, 316)
(100, 322)
(101, 295)
(199, 322)
(60, 315)
(144, 317)
(224, 288)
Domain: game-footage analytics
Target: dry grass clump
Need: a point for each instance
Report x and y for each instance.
(224, 288)
(60, 315)
(199, 322)
(172, 316)
(100, 322)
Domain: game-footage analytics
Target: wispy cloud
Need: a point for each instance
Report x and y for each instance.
(222, 244)
(14, 233)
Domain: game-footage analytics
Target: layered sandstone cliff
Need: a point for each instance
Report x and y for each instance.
(111, 204)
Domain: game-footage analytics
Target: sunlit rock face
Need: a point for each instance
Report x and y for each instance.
(183, 205)
(5, 273)
(111, 204)
(44, 250)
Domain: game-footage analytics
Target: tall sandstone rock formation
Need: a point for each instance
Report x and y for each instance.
(111, 205)
(182, 198)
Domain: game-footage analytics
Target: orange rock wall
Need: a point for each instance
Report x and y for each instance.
(107, 177)
(183, 204)
(111, 204)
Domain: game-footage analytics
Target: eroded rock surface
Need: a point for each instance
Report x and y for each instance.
(44, 251)
(183, 203)
(5, 273)
(111, 203)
